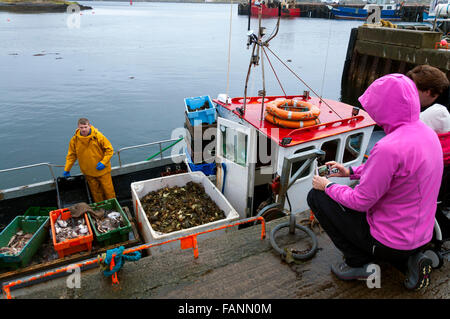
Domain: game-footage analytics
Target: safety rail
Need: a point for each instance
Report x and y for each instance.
(161, 150)
(186, 242)
(50, 165)
(347, 121)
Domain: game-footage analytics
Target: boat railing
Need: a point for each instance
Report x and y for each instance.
(350, 121)
(49, 165)
(159, 143)
(118, 153)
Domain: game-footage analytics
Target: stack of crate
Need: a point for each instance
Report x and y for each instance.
(201, 133)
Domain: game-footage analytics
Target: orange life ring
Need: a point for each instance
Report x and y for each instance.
(293, 110)
(289, 124)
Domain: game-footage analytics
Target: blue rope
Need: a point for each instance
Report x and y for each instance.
(119, 259)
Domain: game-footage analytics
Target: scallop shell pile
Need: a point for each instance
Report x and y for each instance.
(70, 228)
(205, 106)
(16, 243)
(177, 208)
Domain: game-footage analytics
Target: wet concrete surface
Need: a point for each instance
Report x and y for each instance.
(237, 264)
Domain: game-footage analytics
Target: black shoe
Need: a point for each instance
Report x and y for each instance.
(345, 272)
(418, 273)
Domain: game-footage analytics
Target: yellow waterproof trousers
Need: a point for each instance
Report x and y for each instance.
(101, 187)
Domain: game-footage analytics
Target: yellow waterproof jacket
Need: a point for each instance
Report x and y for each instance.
(89, 150)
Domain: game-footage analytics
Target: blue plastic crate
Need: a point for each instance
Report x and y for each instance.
(207, 168)
(203, 116)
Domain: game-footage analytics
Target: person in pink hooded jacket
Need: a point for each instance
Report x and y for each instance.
(389, 215)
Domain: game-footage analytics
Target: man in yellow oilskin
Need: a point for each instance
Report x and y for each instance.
(93, 152)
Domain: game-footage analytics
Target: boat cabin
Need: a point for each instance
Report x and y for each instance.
(253, 149)
(385, 4)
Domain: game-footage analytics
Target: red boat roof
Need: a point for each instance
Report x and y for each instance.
(335, 118)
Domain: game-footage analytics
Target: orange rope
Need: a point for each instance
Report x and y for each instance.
(6, 288)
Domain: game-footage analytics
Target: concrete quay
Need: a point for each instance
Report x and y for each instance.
(238, 264)
(376, 51)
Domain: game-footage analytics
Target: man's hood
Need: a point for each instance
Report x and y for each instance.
(392, 101)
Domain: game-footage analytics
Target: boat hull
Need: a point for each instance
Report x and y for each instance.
(346, 13)
(273, 12)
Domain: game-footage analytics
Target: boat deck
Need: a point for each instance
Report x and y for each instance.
(236, 265)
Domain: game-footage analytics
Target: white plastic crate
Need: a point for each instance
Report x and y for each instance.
(142, 188)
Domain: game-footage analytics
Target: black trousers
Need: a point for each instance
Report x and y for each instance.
(349, 231)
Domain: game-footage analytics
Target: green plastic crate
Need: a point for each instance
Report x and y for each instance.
(39, 211)
(114, 236)
(29, 224)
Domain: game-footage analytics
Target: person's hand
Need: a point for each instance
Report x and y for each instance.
(100, 166)
(343, 171)
(319, 182)
(66, 174)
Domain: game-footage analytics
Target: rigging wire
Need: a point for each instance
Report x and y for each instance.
(254, 59)
(326, 60)
(274, 31)
(299, 78)
(261, 45)
(270, 63)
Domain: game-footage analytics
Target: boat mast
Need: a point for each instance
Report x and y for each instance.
(254, 59)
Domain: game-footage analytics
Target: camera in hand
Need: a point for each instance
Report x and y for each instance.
(325, 170)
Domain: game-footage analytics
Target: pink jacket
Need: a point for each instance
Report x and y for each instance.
(444, 138)
(399, 184)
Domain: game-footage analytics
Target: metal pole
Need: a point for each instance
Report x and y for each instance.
(262, 67)
(249, 13)
(248, 76)
(286, 181)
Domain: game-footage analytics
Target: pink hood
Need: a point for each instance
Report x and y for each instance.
(392, 101)
(399, 183)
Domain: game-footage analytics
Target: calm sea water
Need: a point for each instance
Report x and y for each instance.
(129, 68)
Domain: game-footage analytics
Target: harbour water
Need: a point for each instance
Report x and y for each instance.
(129, 68)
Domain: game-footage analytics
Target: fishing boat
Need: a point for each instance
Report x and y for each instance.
(438, 14)
(389, 11)
(438, 10)
(248, 173)
(270, 9)
(260, 169)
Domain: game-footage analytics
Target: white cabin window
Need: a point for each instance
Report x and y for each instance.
(234, 146)
(352, 147)
(331, 150)
(296, 166)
